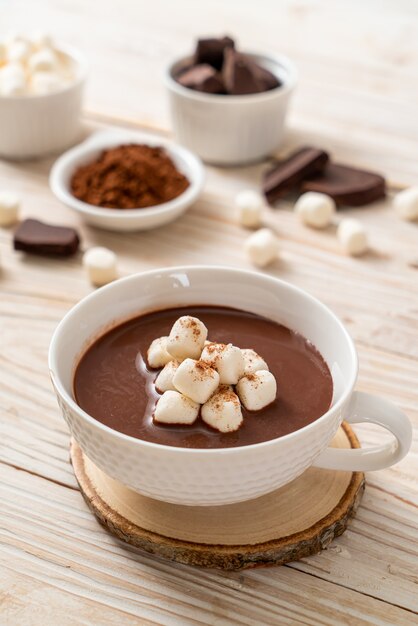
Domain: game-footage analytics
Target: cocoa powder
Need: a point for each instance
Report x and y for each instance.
(129, 177)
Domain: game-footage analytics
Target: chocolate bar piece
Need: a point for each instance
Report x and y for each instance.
(39, 238)
(202, 78)
(288, 174)
(347, 185)
(239, 74)
(211, 51)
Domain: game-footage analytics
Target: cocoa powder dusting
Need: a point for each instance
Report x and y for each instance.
(129, 177)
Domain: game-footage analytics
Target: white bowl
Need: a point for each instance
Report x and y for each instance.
(220, 476)
(126, 219)
(231, 130)
(37, 125)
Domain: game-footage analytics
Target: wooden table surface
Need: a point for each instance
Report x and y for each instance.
(358, 97)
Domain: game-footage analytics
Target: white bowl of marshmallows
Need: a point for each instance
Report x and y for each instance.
(41, 85)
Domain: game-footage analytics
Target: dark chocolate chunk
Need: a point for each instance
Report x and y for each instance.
(267, 78)
(347, 185)
(211, 51)
(202, 78)
(37, 237)
(239, 74)
(288, 174)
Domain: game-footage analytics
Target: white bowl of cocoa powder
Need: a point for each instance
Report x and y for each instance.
(127, 181)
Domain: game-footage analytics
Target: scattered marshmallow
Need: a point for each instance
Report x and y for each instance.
(253, 362)
(157, 355)
(9, 208)
(164, 380)
(250, 206)
(257, 390)
(196, 380)
(223, 410)
(315, 209)
(45, 60)
(174, 408)
(353, 237)
(101, 265)
(187, 338)
(262, 247)
(227, 360)
(406, 204)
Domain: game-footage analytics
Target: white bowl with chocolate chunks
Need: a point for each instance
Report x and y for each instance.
(227, 106)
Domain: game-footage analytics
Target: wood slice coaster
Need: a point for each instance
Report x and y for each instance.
(293, 522)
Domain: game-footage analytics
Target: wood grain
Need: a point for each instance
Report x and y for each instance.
(357, 97)
(293, 522)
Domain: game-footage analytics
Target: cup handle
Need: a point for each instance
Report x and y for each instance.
(365, 407)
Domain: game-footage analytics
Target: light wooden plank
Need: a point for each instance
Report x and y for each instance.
(34, 602)
(66, 549)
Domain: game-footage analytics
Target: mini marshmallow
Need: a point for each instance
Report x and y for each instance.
(223, 410)
(406, 204)
(353, 237)
(250, 206)
(253, 362)
(13, 71)
(12, 80)
(46, 82)
(3, 52)
(164, 380)
(41, 39)
(9, 208)
(13, 87)
(157, 355)
(187, 338)
(315, 209)
(19, 51)
(262, 247)
(227, 360)
(257, 390)
(174, 408)
(44, 60)
(196, 380)
(101, 265)
(14, 36)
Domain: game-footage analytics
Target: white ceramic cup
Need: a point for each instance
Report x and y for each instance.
(231, 130)
(221, 476)
(37, 125)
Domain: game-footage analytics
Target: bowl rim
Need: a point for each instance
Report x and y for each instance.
(271, 281)
(76, 154)
(82, 71)
(229, 100)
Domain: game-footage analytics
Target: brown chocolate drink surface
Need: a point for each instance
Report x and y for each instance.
(113, 383)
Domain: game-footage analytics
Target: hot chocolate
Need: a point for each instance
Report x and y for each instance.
(114, 383)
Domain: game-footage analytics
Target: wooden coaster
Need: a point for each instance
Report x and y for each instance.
(293, 522)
